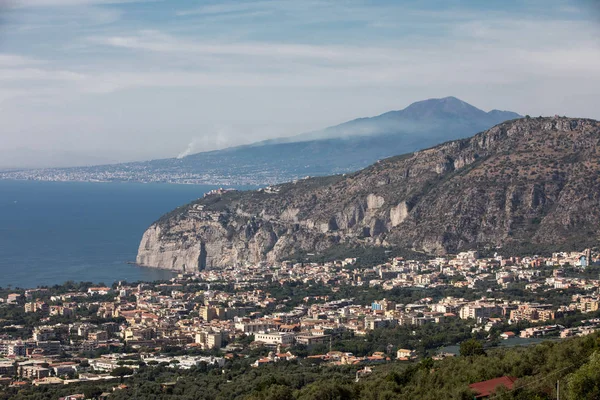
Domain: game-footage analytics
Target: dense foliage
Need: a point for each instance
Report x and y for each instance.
(573, 362)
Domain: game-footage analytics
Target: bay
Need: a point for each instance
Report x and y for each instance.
(52, 232)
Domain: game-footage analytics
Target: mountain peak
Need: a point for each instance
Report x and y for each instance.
(502, 114)
(445, 107)
(446, 100)
(451, 100)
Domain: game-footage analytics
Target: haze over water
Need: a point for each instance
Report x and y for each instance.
(51, 232)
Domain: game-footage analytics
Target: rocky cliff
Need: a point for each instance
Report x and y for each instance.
(527, 181)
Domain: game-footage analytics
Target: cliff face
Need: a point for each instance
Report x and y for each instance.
(525, 181)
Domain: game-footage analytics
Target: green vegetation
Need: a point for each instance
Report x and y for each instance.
(573, 362)
(471, 347)
(366, 256)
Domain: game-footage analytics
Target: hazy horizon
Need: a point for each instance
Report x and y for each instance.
(103, 81)
(57, 160)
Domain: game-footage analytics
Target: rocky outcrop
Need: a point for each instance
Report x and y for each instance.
(172, 254)
(398, 214)
(529, 181)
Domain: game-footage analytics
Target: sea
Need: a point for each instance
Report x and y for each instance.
(53, 232)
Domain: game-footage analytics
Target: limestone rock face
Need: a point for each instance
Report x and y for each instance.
(398, 214)
(374, 202)
(523, 182)
(176, 255)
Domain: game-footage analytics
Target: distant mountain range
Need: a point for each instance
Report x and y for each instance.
(338, 149)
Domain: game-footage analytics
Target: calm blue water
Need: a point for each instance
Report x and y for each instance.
(51, 232)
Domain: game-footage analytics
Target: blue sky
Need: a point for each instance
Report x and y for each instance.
(110, 80)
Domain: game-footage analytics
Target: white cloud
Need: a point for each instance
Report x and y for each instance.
(38, 74)
(159, 42)
(227, 8)
(63, 3)
(15, 60)
(249, 8)
(149, 88)
(160, 60)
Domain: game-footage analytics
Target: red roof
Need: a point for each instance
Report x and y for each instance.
(486, 388)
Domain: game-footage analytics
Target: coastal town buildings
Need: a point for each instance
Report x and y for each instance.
(237, 308)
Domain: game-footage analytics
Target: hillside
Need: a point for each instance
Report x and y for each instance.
(574, 362)
(342, 148)
(528, 182)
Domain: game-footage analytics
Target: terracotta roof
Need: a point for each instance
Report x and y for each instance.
(485, 388)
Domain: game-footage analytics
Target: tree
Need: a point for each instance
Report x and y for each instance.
(92, 392)
(121, 372)
(585, 382)
(326, 391)
(274, 392)
(471, 347)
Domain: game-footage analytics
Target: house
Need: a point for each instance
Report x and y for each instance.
(310, 341)
(274, 357)
(485, 388)
(98, 290)
(376, 358)
(63, 368)
(262, 361)
(7, 368)
(13, 298)
(361, 373)
(405, 354)
(34, 372)
(274, 339)
(49, 380)
(79, 396)
(507, 335)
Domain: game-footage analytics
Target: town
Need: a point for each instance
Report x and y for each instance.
(325, 313)
(145, 172)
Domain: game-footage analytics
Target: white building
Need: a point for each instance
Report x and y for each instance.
(282, 338)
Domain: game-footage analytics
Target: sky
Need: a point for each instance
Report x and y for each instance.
(97, 81)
